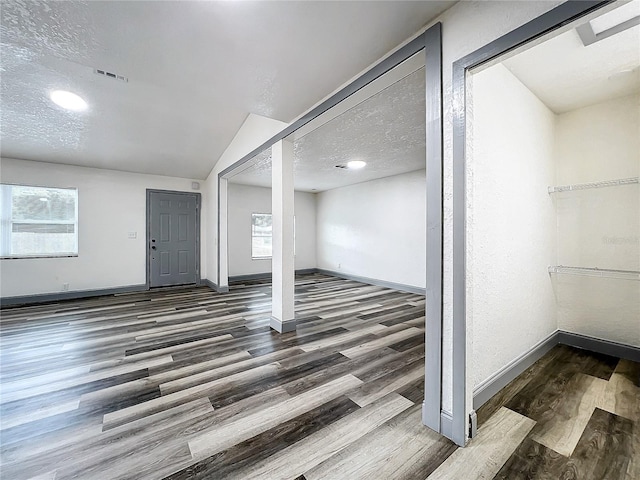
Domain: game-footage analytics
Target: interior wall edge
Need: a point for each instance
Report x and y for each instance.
(210, 284)
(267, 275)
(73, 295)
(493, 384)
(490, 387)
(599, 345)
(374, 281)
(446, 424)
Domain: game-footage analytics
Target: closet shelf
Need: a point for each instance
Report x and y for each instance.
(585, 186)
(596, 272)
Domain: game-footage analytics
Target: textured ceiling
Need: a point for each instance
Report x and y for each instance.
(566, 75)
(387, 131)
(195, 70)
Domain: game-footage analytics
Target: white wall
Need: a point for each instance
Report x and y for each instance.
(511, 222)
(254, 131)
(245, 200)
(599, 227)
(110, 204)
(467, 26)
(375, 229)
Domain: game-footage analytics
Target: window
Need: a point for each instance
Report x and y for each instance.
(261, 235)
(38, 221)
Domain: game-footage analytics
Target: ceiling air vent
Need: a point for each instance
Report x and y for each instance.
(112, 75)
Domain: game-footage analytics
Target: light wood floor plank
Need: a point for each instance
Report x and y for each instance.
(562, 432)
(120, 386)
(237, 430)
(483, 457)
(395, 450)
(315, 449)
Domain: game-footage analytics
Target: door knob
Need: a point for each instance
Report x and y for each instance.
(153, 248)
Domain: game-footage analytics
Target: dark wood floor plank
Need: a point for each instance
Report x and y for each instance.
(121, 386)
(266, 444)
(515, 386)
(532, 461)
(548, 387)
(604, 450)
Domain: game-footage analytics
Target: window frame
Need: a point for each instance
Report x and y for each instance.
(263, 257)
(8, 221)
(271, 256)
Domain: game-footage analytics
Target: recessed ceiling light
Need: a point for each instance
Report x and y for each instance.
(68, 100)
(356, 164)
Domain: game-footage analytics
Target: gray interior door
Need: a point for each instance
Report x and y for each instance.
(173, 238)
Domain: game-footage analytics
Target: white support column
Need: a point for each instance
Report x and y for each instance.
(282, 263)
(223, 258)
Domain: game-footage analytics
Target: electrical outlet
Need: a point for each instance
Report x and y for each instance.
(65, 287)
(132, 235)
(339, 266)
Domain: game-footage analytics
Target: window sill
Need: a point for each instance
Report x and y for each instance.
(23, 257)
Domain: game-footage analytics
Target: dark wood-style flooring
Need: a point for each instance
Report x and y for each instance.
(189, 383)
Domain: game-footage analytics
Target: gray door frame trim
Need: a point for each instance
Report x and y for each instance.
(198, 198)
(431, 42)
(545, 23)
(432, 405)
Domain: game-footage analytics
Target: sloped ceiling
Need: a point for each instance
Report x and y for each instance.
(195, 71)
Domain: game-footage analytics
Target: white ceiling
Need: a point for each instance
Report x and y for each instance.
(385, 127)
(566, 75)
(195, 70)
(387, 131)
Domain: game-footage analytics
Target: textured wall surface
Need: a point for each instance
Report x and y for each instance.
(375, 229)
(599, 227)
(110, 205)
(245, 200)
(511, 222)
(468, 26)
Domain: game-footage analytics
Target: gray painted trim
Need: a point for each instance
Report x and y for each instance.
(446, 424)
(399, 56)
(473, 424)
(267, 275)
(548, 22)
(59, 296)
(214, 286)
(198, 197)
(598, 345)
(218, 231)
(208, 283)
(282, 327)
(431, 42)
(487, 389)
(588, 36)
(374, 281)
(496, 382)
(434, 273)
